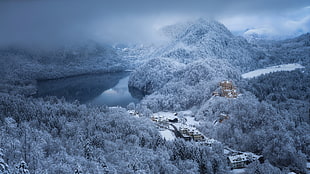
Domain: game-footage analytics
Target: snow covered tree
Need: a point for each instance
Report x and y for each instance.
(22, 168)
(266, 167)
(154, 74)
(78, 170)
(131, 106)
(4, 168)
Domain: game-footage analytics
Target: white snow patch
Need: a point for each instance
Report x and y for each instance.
(185, 113)
(167, 134)
(167, 115)
(178, 125)
(226, 151)
(238, 171)
(284, 67)
(191, 121)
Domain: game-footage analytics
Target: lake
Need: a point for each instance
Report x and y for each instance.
(109, 89)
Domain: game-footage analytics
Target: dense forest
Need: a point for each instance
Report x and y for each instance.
(270, 116)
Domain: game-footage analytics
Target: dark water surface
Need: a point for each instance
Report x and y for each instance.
(101, 89)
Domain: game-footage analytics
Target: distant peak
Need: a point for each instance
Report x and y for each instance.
(198, 28)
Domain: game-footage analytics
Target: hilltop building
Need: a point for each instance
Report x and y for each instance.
(227, 89)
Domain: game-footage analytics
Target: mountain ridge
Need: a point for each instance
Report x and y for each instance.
(202, 39)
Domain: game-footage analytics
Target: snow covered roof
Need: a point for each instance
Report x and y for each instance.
(238, 158)
(245, 156)
(167, 115)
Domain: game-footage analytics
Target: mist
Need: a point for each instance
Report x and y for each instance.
(51, 23)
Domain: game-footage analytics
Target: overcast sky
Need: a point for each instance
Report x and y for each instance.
(42, 21)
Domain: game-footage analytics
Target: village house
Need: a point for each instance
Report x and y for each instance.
(237, 161)
(191, 135)
(160, 121)
(242, 159)
(198, 137)
(187, 137)
(184, 131)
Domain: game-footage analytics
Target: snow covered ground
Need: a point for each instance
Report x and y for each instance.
(238, 171)
(284, 67)
(166, 115)
(167, 134)
(191, 121)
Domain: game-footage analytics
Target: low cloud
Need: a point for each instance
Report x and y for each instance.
(273, 26)
(59, 22)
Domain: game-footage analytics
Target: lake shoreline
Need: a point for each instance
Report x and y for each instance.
(82, 74)
(109, 89)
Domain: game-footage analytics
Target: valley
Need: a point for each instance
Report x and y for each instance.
(203, 101)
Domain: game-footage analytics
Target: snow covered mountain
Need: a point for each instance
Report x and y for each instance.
(257, 34)
(178, 86)
(295, 50)
(203, 39)
(269, 117)
(136, 54)
(206, 52)
(198, 39)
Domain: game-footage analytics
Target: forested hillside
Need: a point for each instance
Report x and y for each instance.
(54, 136)
(21, 66)
(202, 39)
(295, 50)
(268, 115)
